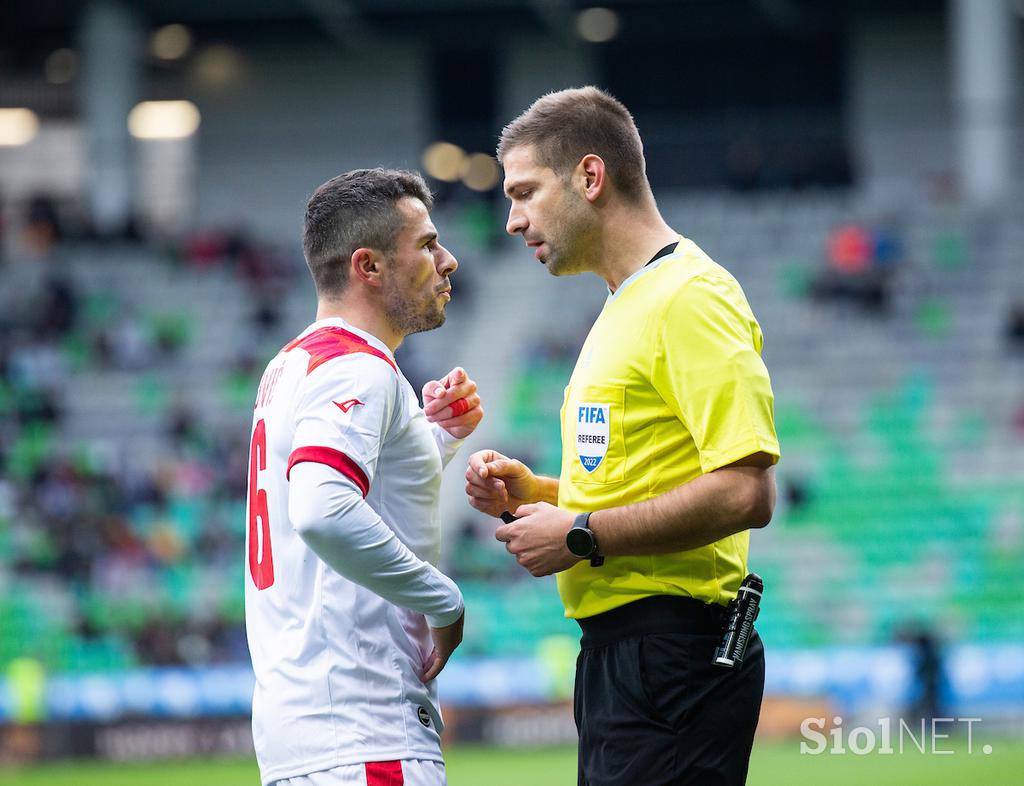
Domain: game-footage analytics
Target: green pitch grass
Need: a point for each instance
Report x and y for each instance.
(772, 764)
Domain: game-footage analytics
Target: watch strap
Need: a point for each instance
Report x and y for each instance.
(582, 521)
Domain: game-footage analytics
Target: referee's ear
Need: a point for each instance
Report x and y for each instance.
(366, 267)
(594, 177)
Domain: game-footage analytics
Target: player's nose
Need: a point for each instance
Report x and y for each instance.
(448, 264)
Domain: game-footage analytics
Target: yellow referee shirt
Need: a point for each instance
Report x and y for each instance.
(669, 385)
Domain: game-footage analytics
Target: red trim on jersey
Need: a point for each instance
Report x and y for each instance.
(328, 343)
(332, 458)
(384, 773)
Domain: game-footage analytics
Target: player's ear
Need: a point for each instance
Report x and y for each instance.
(366, 266)
(593, 176)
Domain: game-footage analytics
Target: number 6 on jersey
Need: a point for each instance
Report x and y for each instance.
(261, 561)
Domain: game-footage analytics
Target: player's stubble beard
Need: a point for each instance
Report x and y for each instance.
(572, 238)
(415, 312)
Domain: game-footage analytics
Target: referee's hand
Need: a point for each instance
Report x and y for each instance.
(537, 538)
(496, 483)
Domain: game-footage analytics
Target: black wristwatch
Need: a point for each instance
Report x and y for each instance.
(581, 542)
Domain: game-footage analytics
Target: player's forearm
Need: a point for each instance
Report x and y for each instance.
(707, 509)
(334, 520)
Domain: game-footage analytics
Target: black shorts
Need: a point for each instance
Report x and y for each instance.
(651, 709)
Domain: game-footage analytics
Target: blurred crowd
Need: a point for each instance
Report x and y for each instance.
(129, 561)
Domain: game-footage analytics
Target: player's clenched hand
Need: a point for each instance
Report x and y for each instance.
(496, 483)
(453, 403)
(446, 639)
(537, 538)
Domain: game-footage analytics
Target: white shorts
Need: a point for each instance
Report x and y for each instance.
(407, 772)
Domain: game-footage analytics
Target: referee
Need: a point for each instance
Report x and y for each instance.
(668, 444)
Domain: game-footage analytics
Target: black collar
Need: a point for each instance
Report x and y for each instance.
(664, 252)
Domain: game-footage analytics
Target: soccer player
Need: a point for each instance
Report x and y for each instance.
(668, 444)
(348, 620)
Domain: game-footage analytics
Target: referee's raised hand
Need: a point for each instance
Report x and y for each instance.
(497, 483)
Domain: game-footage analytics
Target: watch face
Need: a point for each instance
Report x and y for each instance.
(580, 542)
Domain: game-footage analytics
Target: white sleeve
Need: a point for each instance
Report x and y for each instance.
(447, 445)
(331, 516)
(344, 415)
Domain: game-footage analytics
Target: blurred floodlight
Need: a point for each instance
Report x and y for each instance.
(597, 25)
(444, 161)
(163, 120)
(171, 42)
(218, 65)
(61, 66)
(480, 172)
(18, 126)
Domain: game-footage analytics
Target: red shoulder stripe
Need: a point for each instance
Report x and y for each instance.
(328, 343)
(332, 458)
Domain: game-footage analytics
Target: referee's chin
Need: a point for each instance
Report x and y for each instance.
(555, 268)
(551, 265)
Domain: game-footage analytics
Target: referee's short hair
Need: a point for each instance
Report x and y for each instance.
(358, 209)
(567, 125)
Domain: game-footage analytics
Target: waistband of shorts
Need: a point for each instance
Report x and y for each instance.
(652, 615)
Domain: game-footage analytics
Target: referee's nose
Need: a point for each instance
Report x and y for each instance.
(517, 222)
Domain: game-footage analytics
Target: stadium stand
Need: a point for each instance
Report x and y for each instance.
(127, 372)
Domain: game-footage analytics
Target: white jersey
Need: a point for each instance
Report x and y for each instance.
(338, 666)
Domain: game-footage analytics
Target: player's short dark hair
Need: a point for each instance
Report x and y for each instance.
(358, 209)
(563, 127)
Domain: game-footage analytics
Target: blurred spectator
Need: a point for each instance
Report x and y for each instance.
(35, 363)
(1014, 330)
(850, 250)
(183, 427)
(796, 493)
(258, 265)
(926, 654)
(157, 642)
(888, 245)
(42, 227)
(252, 264)
(170, 334)
(861, 263)
(57, 308)
(205, 249)
(266, 316)
(124, 344)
